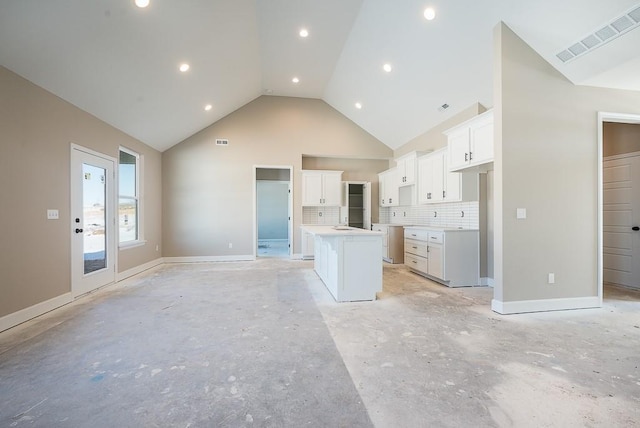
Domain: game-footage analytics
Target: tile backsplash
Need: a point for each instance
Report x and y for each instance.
(321, 215)
(451, 214)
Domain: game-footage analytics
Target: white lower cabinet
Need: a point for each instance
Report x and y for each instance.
(449, 256)
(392, 242)
(307, 245)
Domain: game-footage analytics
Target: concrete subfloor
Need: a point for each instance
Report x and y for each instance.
(264, 344)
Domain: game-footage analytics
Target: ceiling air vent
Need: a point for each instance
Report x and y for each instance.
(443, 107)
(222, 142)
(614, 29)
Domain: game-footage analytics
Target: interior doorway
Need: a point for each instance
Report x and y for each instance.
(92, 220)
(619, 222)
(273, 214)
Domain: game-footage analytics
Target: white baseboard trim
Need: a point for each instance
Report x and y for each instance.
(138, 269)
(36, 310)
(544, 305)
(486, 281)
(297, 256)
(205, 259)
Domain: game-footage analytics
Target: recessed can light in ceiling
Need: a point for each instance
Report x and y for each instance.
(358, 106)
(387, 67)
(295, 80)
(429, 13)
(184, 67)
(304, 32)
(208, 107)
(142, 3)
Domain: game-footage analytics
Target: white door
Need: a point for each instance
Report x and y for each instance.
(92, 221)
(621, 220)
(366, 206)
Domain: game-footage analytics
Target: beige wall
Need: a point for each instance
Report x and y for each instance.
(546, 160)
(36, 129)
(208, 189)
(620, 138)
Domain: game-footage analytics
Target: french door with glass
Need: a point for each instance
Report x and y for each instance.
(92, 220)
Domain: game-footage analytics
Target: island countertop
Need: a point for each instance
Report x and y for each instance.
(320, 230)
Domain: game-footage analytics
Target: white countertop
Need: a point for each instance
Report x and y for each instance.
(337, 230)
(443, 229)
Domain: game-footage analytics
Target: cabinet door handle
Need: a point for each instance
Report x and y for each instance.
(390, 200)
(415, 248)
(466, 157)
(470, 155)
(443, 194)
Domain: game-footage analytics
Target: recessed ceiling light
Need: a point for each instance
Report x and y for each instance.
(304, 32)
(208, 107)
(142, 3)
(295, 80)
(184, 67)
(387, 67)
(429, 13)
(358, 106)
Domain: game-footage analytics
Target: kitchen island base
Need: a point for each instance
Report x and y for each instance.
(349, 262)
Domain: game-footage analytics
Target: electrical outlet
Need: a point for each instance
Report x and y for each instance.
(157, 247)
(230, 245)
(53, 215)
(551, 278)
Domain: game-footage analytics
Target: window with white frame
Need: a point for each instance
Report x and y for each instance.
(130, 230)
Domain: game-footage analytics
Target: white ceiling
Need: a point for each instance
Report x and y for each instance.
(120, 63)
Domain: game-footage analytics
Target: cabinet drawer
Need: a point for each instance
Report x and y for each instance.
(419, 248)
(420, 235)
(436, 237)
(415, 262)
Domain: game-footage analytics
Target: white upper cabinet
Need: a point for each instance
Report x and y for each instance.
(437, 184)
(406, 167)
(470, 144)
(389, 194)
(321, 188)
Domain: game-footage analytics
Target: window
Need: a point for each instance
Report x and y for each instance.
(130, 231)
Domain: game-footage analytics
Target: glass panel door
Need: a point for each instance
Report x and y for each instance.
(94, 187)
(92, 220)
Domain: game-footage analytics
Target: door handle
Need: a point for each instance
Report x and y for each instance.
(635, 228)
(78, 230)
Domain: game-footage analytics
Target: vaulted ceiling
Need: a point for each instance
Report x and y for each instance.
(120, 62)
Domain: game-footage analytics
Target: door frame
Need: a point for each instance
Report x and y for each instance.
(111, 232)
(255, 206)
(602, 118)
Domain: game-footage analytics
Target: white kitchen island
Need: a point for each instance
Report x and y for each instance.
(348, 260)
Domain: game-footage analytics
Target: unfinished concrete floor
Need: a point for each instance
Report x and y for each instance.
(263, 344)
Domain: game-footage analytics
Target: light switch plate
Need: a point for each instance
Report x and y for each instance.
(53, 215)
(521, 213)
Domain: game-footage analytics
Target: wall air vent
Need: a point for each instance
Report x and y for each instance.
(614, 29)
(443, 107)
(222, 142)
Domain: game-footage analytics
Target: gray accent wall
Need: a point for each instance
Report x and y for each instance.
(620, 138)
(36, 132)
(546, 160)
